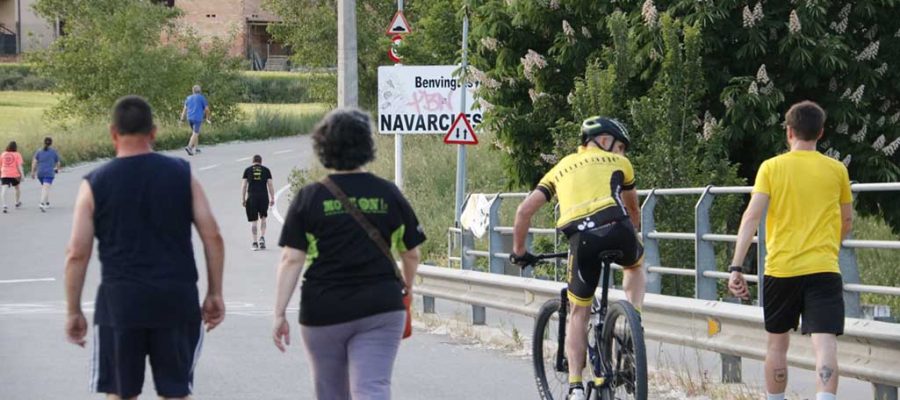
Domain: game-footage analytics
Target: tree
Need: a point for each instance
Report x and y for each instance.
(309, 28)
(114, 48)
(756, 59)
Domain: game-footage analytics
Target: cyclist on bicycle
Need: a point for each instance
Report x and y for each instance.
(598, 206)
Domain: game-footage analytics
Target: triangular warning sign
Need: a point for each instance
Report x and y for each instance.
(399, 24)
(461, 133)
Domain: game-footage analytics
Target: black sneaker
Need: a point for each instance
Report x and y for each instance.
(188, 150)
(262, 243)
(19, 204)
(254, 246)
(197, 150)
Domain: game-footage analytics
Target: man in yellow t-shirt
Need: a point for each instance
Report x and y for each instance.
(810, 211)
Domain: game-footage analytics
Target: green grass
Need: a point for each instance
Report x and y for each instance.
(878, 266)
(22, 119)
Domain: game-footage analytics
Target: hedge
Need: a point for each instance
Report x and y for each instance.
(22, 77)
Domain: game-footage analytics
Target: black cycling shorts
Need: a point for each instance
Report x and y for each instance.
(585, 247)
(819, 298)
(11, 182)
(257, 207)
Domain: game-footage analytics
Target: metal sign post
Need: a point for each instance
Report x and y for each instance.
(398, 140)
(461, 149)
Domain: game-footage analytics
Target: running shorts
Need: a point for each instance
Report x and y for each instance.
(257, 207)
(10, 181)
(818, 298)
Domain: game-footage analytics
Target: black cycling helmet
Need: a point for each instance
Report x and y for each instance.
(596, 126)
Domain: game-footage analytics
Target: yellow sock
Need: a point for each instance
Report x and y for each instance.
(574, 380)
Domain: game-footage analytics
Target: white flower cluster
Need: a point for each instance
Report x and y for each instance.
(882, 69)
(549, 158)
(891, 148)
(880, 121)
(847, 159)
(885, 106)
(878, 144)
(586, 32)
(861, 135)
(833, 153)
(773, 119)
(535, 95)
(500, 146)
(767, 89)
(554, 4)
(490, 43)
(570, 33)
(895, 117)
(845, 12)
(570, 98)
(532, 62)
(870, 52)
(842, 128)
(753, 88)
(840, 27)
(650, 14)
(761, 75)
(751, 18)
(728, 102)
(856, 97)
(710, 124)
(846, 93)
(794, 22)
(486, 81)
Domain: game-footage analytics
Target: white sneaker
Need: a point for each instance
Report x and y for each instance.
(43, 208)
(576, 394)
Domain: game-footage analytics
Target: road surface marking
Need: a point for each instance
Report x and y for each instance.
(275, 207)
(208, 167)
(283, 151)
(28, 280)
(243, 159)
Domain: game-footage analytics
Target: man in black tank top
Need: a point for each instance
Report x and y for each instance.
(141, 206)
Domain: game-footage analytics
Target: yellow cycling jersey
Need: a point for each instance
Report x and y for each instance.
(587, 183)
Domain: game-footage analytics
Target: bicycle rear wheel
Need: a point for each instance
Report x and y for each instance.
(624, 350)
(551, 384)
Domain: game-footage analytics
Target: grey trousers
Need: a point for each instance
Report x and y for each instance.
(355, 359)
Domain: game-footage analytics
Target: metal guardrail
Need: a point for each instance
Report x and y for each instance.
(705, 271)
(868, 350)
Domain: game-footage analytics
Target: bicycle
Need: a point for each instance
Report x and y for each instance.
(616, 355)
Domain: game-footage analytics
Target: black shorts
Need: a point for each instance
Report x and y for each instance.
(819, 298)
(257, 206)
(10, 181)
(120, 354)
(584, 256)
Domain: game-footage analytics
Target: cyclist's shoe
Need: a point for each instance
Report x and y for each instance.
(254, 246)
(262, 243)
(576, 393)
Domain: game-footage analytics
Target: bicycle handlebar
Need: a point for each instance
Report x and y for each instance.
(528, 259)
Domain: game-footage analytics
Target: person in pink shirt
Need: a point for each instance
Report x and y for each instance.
(11, 173)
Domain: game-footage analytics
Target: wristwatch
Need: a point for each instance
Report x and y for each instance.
(736, 268)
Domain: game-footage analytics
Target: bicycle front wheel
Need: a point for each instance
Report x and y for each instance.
(551, 384)
(625, 353)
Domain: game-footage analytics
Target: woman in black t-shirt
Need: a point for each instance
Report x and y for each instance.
(352, 313)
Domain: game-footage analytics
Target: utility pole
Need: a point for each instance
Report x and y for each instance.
(348, 78)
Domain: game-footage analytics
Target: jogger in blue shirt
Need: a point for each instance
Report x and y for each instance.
(44, 168)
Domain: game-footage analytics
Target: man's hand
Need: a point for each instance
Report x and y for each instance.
(524, 260)
(272, 202)
(244, 203)
(213, 311)
(76, 328)
(281, 333)
(738, 286)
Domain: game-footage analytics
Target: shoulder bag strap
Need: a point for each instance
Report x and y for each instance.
(364, 222)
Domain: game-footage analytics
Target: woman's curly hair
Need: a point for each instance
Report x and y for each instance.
(343, 139)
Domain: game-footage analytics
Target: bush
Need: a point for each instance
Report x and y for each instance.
(288, 87)
(23, 77)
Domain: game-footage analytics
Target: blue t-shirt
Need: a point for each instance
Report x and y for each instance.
(46, 162)
(195, 104)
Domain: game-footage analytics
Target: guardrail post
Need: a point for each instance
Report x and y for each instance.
(731, 368)
(496, 239)
(467, 243)
(884, 392)
(850, 274)
(651, 246)
(704, 252)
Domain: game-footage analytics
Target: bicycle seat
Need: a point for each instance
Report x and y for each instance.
(611, 256)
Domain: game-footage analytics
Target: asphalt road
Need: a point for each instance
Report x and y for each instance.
(238, 359)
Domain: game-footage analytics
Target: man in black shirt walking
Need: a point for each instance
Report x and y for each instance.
(141, 206)
(257, 195)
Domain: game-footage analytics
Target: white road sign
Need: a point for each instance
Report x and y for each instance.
(422, 99)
